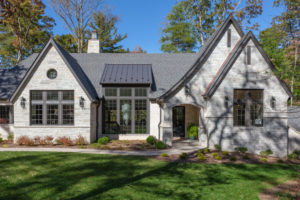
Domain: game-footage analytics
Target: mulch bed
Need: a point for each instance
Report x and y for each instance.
(126, 145)
(240, 159)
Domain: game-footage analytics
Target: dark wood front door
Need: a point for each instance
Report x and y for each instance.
(179, 121)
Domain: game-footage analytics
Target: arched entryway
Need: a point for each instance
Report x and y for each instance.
(183, 116)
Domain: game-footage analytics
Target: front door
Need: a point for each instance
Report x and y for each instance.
(179, 121)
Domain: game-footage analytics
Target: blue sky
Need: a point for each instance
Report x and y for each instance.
(143, 20)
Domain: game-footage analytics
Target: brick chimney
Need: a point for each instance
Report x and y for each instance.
(94, 43)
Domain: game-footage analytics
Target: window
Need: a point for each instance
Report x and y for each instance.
(229, 38)
(248, 107)
(52, 74)
(5, 114)
(127, 112)
(52, 107)
(111, 92)
(248, 55)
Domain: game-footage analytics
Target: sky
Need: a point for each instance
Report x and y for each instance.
(143, 20)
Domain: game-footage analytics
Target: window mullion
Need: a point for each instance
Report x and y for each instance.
(248, 110)
(118, 107)
(44, 107)
(59, 107)
(132, 115)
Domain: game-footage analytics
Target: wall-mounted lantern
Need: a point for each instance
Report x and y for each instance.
(273, 103)
(187, 90)
(226, 101)
(81, 102)
(23, 102)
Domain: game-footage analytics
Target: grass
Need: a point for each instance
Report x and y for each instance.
(37, 175)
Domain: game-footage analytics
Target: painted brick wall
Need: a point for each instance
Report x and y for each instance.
(64, 81)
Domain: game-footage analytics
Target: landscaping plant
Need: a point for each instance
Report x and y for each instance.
(164, 155)
(103, 140)
(160, 145)
(218, 147)
(80, 140)
(25, 140)
(151, 140)
(241, 149)
(266, 152)
(1, 140)
(192, 131)
(10, 136)
(183, 156)
(64, 141)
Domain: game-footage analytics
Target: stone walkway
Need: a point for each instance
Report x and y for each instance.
(178, 147)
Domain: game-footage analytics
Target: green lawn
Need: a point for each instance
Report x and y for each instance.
(29, 175)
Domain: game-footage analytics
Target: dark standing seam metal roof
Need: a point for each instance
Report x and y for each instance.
(127, 74)
(213, 86)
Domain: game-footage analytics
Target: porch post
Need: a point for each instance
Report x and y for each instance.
(202, 131)
(166, 125)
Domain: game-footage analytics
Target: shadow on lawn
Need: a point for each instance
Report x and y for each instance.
(79, 176)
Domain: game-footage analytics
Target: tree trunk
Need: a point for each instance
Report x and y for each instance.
(293, 71)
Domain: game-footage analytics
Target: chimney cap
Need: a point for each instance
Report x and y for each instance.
(94, 34)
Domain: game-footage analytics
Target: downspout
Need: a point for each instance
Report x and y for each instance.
(160, 113)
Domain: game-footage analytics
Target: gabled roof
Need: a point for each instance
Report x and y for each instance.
(217, 80)
(69, 61)
(204, 53)
(127, 74)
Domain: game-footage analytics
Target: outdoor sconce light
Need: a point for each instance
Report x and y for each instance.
(187, 90)
(81, 102)
(273, 102)
(23, 102)
(226, 101)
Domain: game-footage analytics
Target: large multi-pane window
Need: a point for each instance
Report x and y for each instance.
(52, 107)
(248, 107)
(126, 110)
(5, 114)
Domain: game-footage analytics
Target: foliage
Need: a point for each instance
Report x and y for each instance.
(25, 140)
(246, 157)
(192, 131)
(24, 29)
(67, 42)
(241, 149)
(49, 140)
(160, 145)
(64, 141)
(1, 139)
(80, 140)
(103, 140)
(263, 159)
(104, 23)
(218, 147)
(280, 161)
(233, 158)
(10, 136)
(206, 150)
(183, 155)
(191, 22)
(266, 152)
(177, 35)
(49, 175)
(76, 14)
(151, 140)
(214, 154)
(293, 156)
(164, 155)
(201, 156)
(217, 157)
(225, 153)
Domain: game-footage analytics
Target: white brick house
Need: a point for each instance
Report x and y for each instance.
(228, 89)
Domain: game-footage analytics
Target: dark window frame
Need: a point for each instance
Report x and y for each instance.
(248, 112)
(132, 98)
(45, 103)
(7, 117)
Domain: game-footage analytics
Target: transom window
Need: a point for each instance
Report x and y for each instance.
(126, 110)
(6, 114)
(52, 107)
(248, 107)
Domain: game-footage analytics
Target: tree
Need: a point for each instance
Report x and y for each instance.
(138, 49)
(105, 25)
(177, 35)
(76, 14)
(67, 42)
(204, 16)
(26, 25)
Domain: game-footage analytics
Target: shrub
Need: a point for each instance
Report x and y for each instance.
(10, 136)
(266, 152)
(217, 157)
(80, 140)
(151, 140)
(263, 159)
(192, 131)
(214, 154)
(297, 152)
(280, 161)
(25, 140)
(37, 140)
(5, 146)
(241, 149)
(233, 158)
(201, 156)
(103, 140)
(246, 157)
(64, 141)
(48, 140)
(160, 145)
(1, 140)
(293, 156)
(164, 155)
(225, 153)
(206, 150)
(218, 147)
(183, 155)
